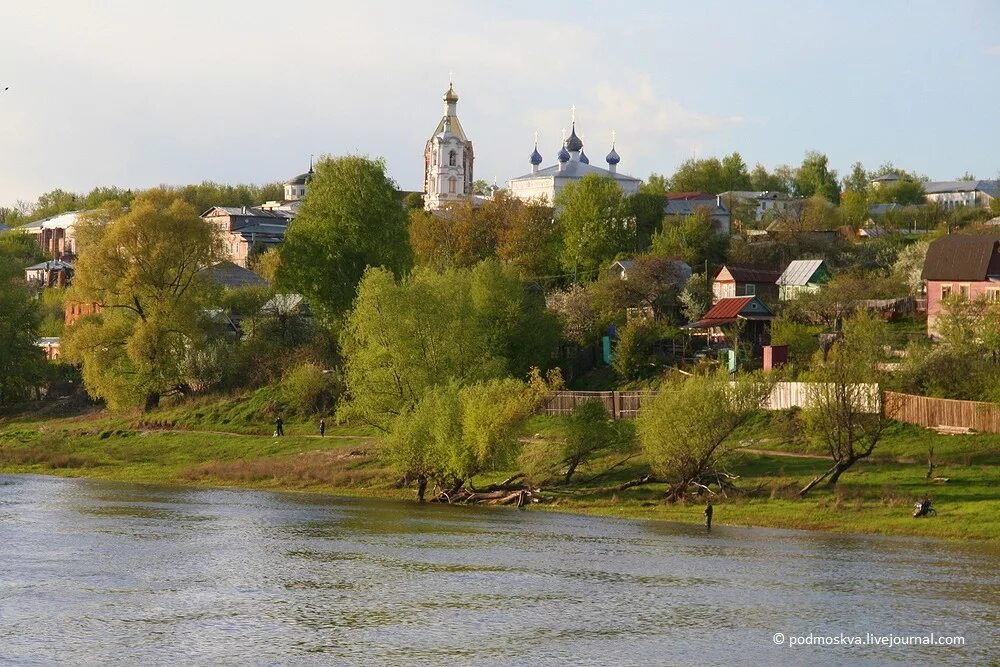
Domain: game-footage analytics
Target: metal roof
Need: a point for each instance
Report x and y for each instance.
(800, 272)
(573, 170)
(60, 221)
(228, 274)
(50, 265)
(940, 187)
(961, 257)
(689, 206)
(731, 309)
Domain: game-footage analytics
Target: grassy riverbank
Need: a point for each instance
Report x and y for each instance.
(876, 497)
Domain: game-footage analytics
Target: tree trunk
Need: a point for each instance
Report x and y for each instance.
(421, 488)
(930, 462)
(152, 400)
(572, 468)
(808, 487)
(838, 470)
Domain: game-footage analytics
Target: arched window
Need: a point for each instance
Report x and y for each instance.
(451, 183)
(451, 159)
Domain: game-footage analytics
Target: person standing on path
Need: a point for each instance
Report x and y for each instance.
(708, 515)
(322, 427)
(279, 429)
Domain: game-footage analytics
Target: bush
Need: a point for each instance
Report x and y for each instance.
(308, 389)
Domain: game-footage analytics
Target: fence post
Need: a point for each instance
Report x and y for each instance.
(615, 407)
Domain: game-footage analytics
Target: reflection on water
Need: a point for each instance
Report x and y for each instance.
(104, 573)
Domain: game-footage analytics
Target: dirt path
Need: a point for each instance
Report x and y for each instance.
(772, 452)
(331, 436)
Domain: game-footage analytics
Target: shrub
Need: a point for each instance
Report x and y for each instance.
(308, 389)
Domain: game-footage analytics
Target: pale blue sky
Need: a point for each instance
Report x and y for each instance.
(140, 93)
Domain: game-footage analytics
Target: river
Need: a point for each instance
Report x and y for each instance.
(106, 573)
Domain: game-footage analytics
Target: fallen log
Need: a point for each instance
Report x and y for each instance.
(645, 479)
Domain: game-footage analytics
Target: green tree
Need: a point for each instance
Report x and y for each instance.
(858, 181)
(21, 360)
(141, 266)
(684, 429)
(694, 175)
(401, 339)
(453, 432)
(351, 219)
(845, 412)
(596, 222)
(814, 176)
(589, 431)
(733, 174)
(692, 239)
(763, 180)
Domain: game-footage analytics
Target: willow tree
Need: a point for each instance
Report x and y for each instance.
(140, 266)
(684, 429)
(845, 412)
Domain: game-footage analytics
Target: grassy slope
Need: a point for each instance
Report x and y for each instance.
(876, 497)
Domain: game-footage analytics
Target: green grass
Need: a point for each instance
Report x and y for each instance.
(873, 497)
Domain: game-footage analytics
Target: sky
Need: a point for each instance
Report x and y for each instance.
(137, 93)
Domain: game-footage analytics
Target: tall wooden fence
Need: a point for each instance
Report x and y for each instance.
(623, 404)
(933, 412)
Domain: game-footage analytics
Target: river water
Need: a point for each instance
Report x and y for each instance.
(104, 573)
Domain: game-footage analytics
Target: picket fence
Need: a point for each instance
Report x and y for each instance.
(934, 412)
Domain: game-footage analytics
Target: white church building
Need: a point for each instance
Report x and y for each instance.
(543, 184)
(448, 158)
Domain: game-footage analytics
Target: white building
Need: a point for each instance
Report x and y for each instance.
(448, 158)
(55, 235)
(572, 165)
(951, 194)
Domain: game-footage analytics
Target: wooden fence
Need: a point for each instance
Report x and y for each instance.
(623, 404)
(934, 412)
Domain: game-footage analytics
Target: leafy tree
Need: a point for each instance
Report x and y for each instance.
(590, 431)
(733, 174)
(692, 239)
(845, 412)
(909, 265)
(854, 208)
(433, 239)
(814, 176)
(481, 187)
(653, 283)
(21, 360)
(596, 222)
(657, 185)
(647, 209)
(696, 298)
(465, 325)
(577, 314)
(858, 181)
(636, 354)
(801, 338)
(350, 220)
(527, 238)
(684, 428)
(453, 432)
(763, 180)
(694, 175)
(141, 266)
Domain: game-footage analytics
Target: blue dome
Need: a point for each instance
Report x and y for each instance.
(583, 158)
(536, 157)
(563, 154)
(613, 157)
(574, 143)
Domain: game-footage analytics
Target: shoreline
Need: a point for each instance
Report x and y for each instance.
(676, 514)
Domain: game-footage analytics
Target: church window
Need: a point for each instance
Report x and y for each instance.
(451, 159)
(451, 183)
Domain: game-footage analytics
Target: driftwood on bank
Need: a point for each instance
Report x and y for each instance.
(518, 496)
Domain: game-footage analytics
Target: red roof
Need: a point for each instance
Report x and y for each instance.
(727, 308)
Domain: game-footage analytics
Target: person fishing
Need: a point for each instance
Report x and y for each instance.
(279, 427)
(322, 427)
(708, 515)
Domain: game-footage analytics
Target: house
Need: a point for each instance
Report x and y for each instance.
(248, 229)
(683, 204)
(56, 234)
(966, 267)
(802, 276)
(53, 273)
(732, 280)
(74, 311)
(764, 201)
(231, 275)
(681, 270)
(50, 347)
(951, 194)
(749, 312)
(887, 180)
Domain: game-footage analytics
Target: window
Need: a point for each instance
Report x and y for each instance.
(992, 294)
(747, 289)
(451, 184)
(963, 290)
(451, 159)
(945, 291)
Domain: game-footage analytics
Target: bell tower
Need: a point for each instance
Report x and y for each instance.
(448, 159)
